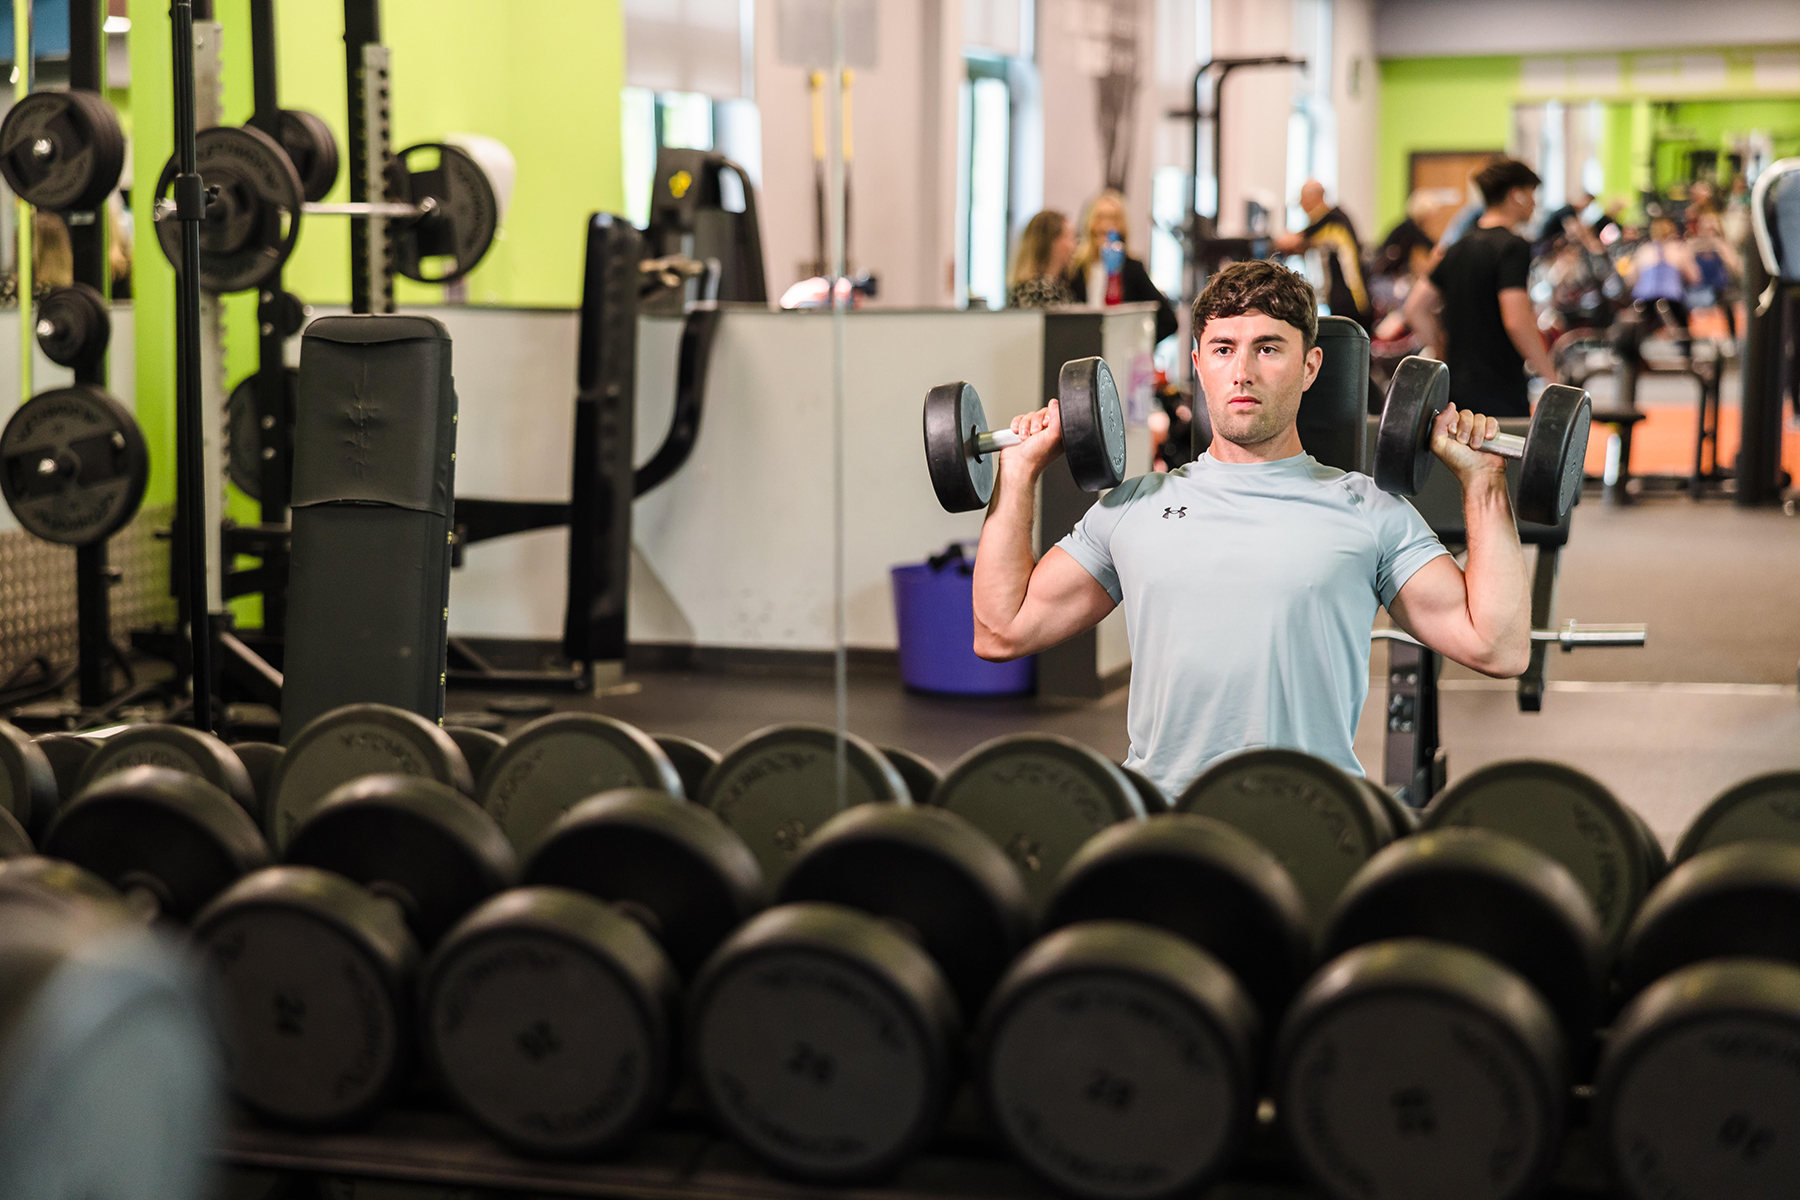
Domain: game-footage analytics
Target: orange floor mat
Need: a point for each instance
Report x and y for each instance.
(1663, 442)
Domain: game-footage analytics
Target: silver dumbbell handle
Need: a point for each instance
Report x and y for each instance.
(1567, 636)
(990, 440)
(1506, 445)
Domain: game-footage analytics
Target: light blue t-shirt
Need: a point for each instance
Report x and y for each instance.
(1249, 591)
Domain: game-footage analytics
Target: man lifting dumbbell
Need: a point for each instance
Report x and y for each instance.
(1251, 576)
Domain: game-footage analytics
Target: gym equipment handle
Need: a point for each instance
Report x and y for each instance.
(361, 208)
(988, 441)
(1568, 636)
(1506, 445)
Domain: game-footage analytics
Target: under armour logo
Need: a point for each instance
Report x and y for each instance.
(1175, 512)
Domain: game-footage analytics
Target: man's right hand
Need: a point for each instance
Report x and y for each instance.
(1042, 431)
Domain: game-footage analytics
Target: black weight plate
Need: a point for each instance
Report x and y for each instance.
(463, 218)
(1040, 798)
(315, 980)
(1654, 855)
(73, 327)
(931, 872)
(1153, 798)
(671, 863)
(1550, 472)
(73, 465)
(693, 760)
(1402, 817)
(1119, 1062)
(823, 1040)
(412, 839)
(57, 151)
(1697, 1094)
(779, 784)
(14, 841)
(1487, 893)
(190, 751)
(1414, 1068)
(921, 774)
(550, 1017)
(252, 224)
(492, 722)
(962, 479)
(558, 761)
(1567, 815)
(260, 759)
(1201, 880)
(1093, 424)
(348, 743)
(1737, 900)
(1763, 809)
(478, 746)
(171, 838)
(27, 781)
(67, 754)
(35, 874)
(1418, 393)
(1313, 816)
(244, 433)
(309, 144)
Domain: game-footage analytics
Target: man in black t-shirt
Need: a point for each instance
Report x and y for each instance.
(1473, 312)
(1330, 232)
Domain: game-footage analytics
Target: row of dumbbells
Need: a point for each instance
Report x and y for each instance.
(1466, 969)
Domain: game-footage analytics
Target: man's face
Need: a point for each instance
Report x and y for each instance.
(1253, 369)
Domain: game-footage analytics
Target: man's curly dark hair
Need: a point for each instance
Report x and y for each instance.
(1263, 287)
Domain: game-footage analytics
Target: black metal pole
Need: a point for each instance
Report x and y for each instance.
(190, 457)
(362, 27)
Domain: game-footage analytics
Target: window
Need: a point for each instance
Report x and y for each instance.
(986, 112)
(1312, 125)
(650, 120)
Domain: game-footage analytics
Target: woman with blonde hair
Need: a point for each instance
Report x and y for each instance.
(1104, 273)
(1041, 261)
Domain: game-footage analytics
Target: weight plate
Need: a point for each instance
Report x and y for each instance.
(73, 327)
(312, 149)
(1763, 809)
(315, 983)
(1490, 894)
(1413, 1068)
(822, 1039)
(350, 742)
(412, 839)
(30, 876)
(14, 841)
(1418, 393)
(244, 432)
(550, 1018)
(779, 784)
(27, 782)
(1697, 1093)
(170, 841)
(190, 751)
(1550, 471)
(692, 761)
(1567, 815)
(1314, 817)
(1119, 1062)
(962, 479)
(1402, 817)
(62, 150)
(252, 224)
(933, 874)
(1203, 881)
(921, 774)
(478, 746)
(67, 754)
(1654, 854)
(557, 761)
(73, 465)
(1737, 900)
(1153, 798)
(1040, 798)
(463, 213)
(672, 864)
(1093, 424)
(260, 759)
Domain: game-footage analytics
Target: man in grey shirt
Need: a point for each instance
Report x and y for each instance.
(1250, 577)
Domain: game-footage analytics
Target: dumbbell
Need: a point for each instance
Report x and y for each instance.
(177, 748)
(1121, 1054)
(317, 958)
(1431, 1054)
(1040, 798)
(261, 760)
(960, 449)
(551, 1013)
(920, 773)
(559, 760)
(1765, 808)
(1550, 455)
(28, 790)
(779, 784)
(825, 1033)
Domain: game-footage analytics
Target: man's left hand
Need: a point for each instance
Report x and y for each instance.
(1454, 436)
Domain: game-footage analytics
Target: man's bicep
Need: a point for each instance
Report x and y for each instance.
(1063, 599)
(1433, 605)
(1515, 306)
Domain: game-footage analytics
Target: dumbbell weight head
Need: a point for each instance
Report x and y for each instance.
(261, 760)
(1419, 391)
(1153, 798)
(190, 751)
(1555, 453)
(559, 760)
(693, 761)
(27, 781)
(961, 474)
(1765, 808)
(1093, 424)
(478, 746)
(1738, 900)
(921, 774)
(67, 754)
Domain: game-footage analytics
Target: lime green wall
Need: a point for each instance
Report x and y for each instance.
(1718, 124)
(1438, 104)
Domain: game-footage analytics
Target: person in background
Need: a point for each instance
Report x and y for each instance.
(1104, 273)
(1330, 232)
(1565, 224)
(1661, 271)
(1720, 268)
(1407, 241)
(1042, 262)
(1473, 310)
(1469, 213)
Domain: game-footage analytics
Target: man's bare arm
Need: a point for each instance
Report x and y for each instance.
(1521, 326)
(1422, 305)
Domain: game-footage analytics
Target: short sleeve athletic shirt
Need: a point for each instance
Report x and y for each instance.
(1249, 591)
(1487, 373)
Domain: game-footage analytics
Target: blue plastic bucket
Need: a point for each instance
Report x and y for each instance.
(933, 605)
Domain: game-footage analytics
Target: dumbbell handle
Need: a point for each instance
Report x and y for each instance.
(1506, 445)
(1568, 636)
(990, 440)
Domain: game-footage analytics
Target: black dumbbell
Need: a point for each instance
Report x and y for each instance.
(177, 748)
(1121, 1055)
(1765, 808)
(557, 761)
(826, 1032)
(1550, 455)
(1040, 797)
(28, 791)
(261, 760)
(1734, 901)
(693, 761)
(1154, 799)
(921, 774)
(317, 958)
(551, 1012)
(960, 449)
(479, 747)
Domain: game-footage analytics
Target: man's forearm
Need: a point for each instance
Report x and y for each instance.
(1530, 344)
(1004, 558)
(1498, 596)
